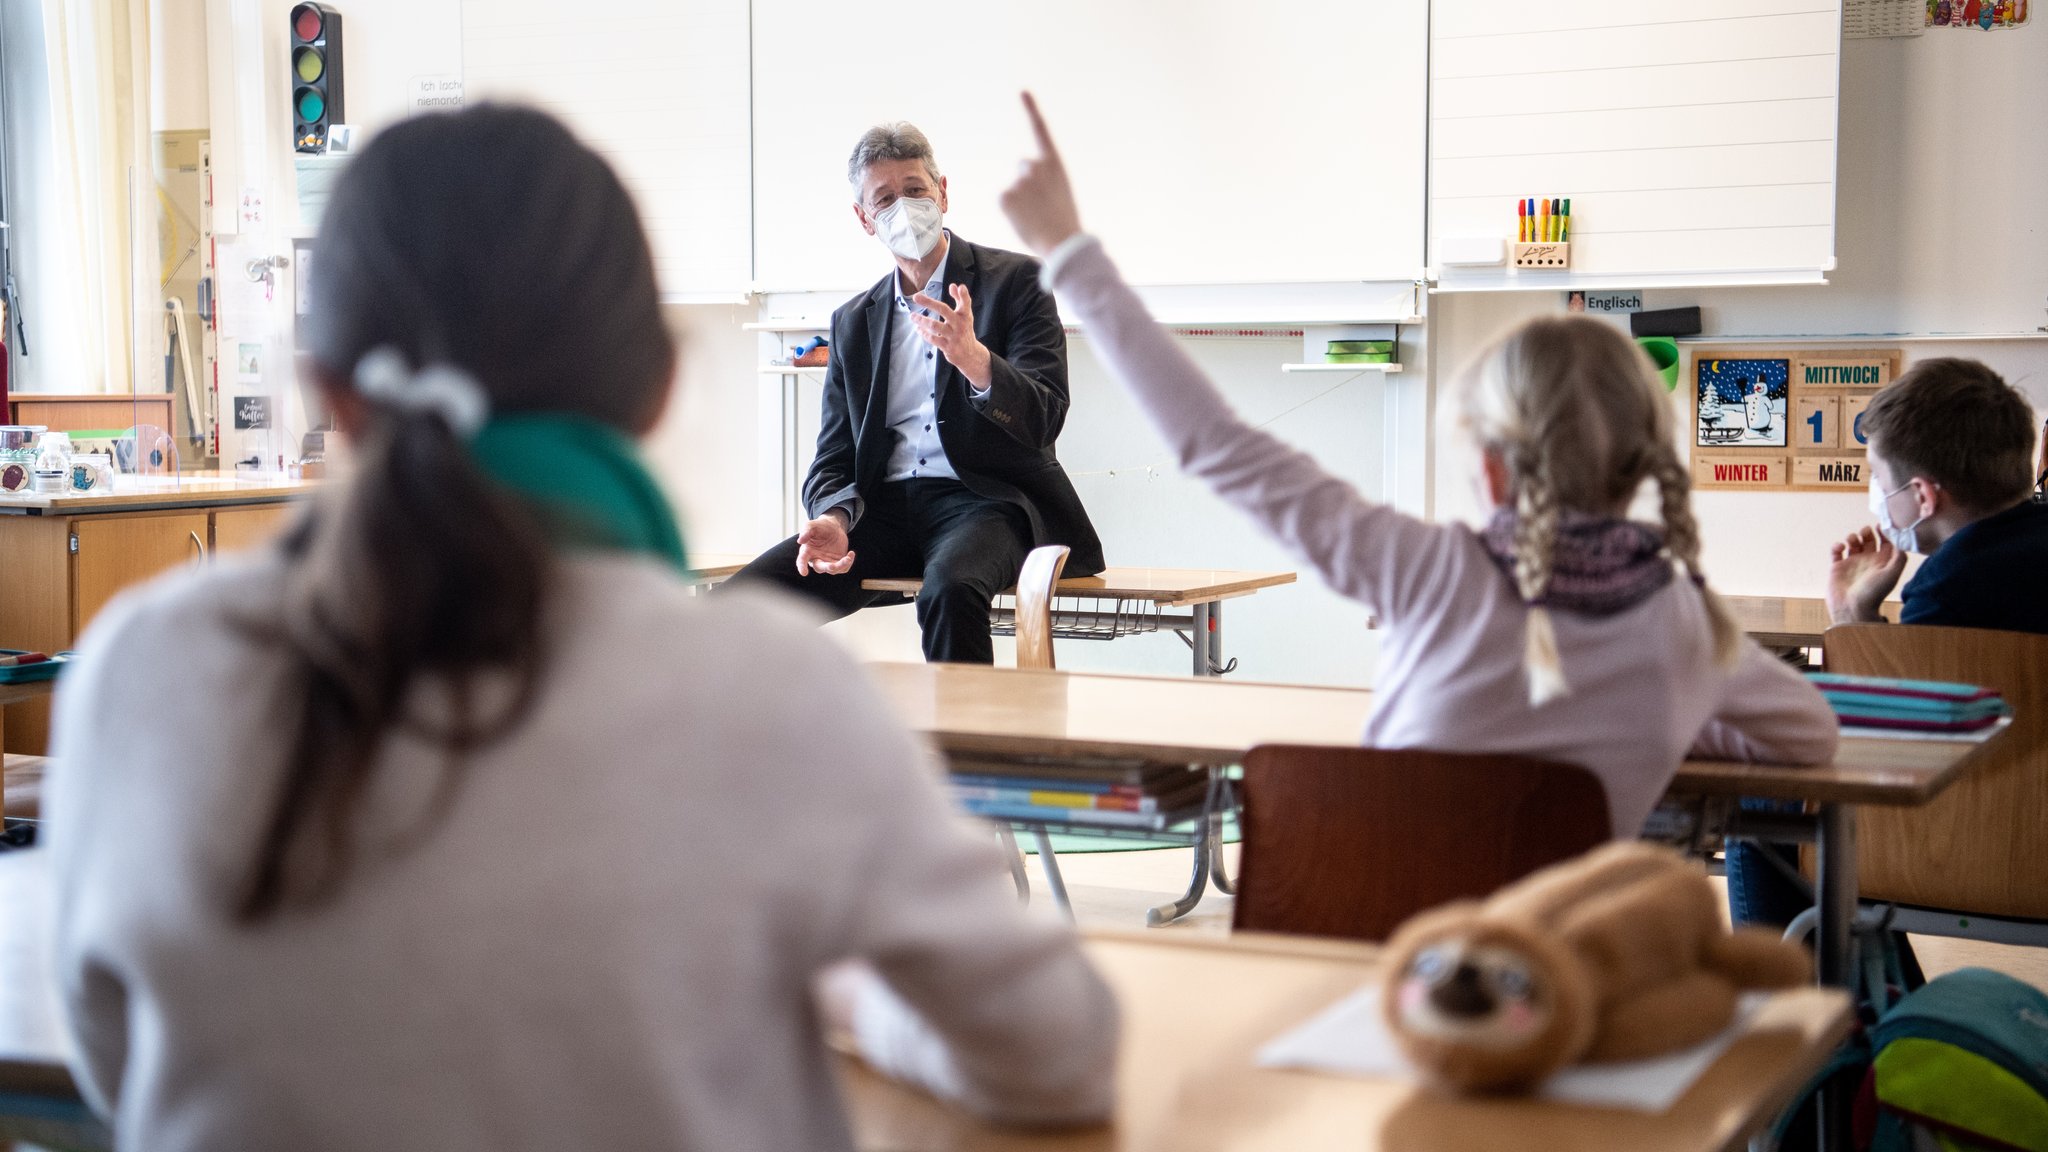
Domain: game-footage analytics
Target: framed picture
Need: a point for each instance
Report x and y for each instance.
(1741, 403)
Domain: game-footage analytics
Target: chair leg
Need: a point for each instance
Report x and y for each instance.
(1205, 847)
(1016, 858)
(1219, 874)
(1051, 864)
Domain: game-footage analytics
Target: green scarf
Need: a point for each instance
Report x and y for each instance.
(585, 477)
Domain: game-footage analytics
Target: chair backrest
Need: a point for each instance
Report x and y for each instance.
(1982, 845)
(1034, 605)
(1352, 841)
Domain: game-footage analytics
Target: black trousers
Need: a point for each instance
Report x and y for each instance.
(966, 547)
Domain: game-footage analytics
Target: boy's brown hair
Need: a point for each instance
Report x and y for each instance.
(1959, 424)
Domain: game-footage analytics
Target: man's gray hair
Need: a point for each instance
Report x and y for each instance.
(898, 141)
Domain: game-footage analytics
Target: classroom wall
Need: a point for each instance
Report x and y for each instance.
(1149, 514)
(1943, 202)
(178, 70)
(704, 450)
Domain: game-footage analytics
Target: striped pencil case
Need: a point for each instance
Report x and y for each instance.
(1910, 705)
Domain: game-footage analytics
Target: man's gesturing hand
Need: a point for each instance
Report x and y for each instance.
(951, 331)
(822, 546)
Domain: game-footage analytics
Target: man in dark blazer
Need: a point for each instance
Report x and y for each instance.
(946, 390)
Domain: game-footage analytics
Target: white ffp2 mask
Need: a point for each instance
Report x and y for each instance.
(1906, 539)
(910, 228)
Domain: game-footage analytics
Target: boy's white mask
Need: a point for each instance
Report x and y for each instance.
(1906, 539)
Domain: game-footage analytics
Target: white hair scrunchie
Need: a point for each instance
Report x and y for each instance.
(442, 389)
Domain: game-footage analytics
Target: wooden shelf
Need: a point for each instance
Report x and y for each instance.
(786, 326)
(791, 370)
(1387, 368)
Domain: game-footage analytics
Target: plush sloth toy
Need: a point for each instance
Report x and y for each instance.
(1617, 955)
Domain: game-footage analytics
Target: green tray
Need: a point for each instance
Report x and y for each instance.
(30, 673)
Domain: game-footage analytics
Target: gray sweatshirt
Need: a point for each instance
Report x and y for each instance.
(607, 939)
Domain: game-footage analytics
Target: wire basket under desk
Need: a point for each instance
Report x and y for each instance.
(1083, 617)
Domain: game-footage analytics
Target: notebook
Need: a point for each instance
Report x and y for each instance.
(1910, 705)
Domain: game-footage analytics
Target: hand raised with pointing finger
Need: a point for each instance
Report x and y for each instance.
(1040, 204)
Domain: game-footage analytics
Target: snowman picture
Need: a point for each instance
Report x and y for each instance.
(1742, 403)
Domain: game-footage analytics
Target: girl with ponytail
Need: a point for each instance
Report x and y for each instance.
(1562, 629)
(454, 817)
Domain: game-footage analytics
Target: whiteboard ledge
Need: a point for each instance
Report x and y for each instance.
(1595, 282)
(1194, 305)
(706, 298)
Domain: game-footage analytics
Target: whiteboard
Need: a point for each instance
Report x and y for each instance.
(1695, 139)
(660, 90)
(1211, 141)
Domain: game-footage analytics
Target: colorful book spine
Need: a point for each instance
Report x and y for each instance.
(1034, 813)
(1103, 801)
(1037, 784)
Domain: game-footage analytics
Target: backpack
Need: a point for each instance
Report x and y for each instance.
(1964, 1060)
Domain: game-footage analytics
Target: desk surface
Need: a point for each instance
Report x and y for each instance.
(1165, 587)
(1788, 621)
(967, 709)
(137, 494)
(1186, 1077)
(1196, 1010)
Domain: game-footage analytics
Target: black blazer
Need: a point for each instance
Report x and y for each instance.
(1000, 444)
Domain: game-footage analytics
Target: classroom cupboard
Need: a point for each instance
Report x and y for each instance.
(58, 572)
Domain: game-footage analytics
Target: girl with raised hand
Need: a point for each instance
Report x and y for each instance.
(1563, 629)
(455, 821)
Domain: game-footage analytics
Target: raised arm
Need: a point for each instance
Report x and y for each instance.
(1366, 551)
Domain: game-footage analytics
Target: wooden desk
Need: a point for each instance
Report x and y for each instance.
(1115, 602)
(1788, 621)
(973, 712)
(1186, 1080)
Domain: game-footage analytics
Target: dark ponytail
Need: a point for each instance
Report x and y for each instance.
(491, 241)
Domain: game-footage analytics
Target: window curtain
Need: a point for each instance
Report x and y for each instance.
(97, 57)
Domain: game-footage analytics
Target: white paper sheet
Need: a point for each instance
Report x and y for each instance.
(1350, 1039)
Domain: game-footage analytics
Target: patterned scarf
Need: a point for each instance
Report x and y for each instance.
(1600, 566)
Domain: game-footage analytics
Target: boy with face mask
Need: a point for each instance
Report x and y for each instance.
(1951, 475)
(1951, 472)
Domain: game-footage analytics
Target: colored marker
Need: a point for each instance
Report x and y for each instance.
(1521, 222)
(1564, 231)
(1548, 216)
(1531, 202)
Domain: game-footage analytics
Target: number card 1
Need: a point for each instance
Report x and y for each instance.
(1817, 422)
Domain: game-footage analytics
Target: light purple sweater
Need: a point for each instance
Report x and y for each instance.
(1645, 686)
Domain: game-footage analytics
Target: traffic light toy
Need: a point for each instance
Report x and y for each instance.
(316, 75)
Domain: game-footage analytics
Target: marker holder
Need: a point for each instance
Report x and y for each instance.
(1555, 255)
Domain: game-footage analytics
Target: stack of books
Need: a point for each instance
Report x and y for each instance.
(1148, 798)
(1910, 705)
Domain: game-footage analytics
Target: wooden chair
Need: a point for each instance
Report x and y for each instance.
(1974, 861)
(1352, 841)
(1035, 583)
(1034, 605)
